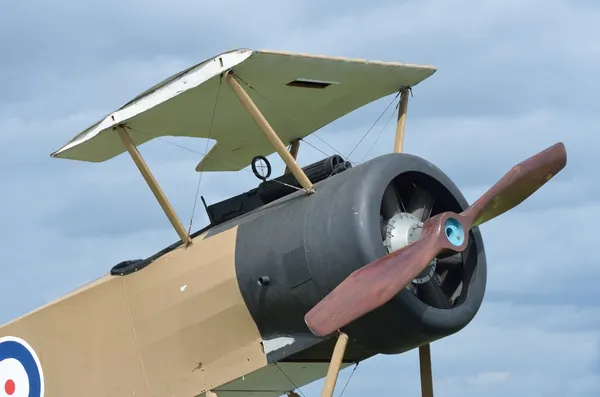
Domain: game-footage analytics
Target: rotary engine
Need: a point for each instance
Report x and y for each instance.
(293, 251)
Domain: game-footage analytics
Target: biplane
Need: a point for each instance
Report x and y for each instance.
(310, 272)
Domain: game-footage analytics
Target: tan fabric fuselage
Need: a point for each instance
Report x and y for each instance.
(178, 327)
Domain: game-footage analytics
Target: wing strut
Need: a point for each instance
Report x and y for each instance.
(153, 184)
(401, 124)
(334, 365)
(425, 350)
(425, 367)
(294, 152)
(270, 134)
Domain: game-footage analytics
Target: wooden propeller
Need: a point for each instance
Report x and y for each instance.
(375, 284)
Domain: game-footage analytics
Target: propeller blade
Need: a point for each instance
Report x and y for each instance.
(518, 184)
(375, 284)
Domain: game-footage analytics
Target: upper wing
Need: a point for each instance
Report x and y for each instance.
(183, 105)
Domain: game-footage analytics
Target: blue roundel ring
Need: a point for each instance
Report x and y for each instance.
(18, 349)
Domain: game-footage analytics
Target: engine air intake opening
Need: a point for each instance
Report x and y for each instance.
(409, 200)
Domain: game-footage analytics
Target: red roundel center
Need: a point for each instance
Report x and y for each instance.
(9, 387)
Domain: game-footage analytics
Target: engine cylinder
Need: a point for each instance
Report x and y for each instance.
(306, 245)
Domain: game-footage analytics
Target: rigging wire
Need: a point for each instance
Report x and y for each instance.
(348, 380)
(209, 157)
(380, 132)
(347, 158)
(330, 146)
(397, 109)
(287, 184)
(290, 379)
(375, 123)
(212, 120)
(290, 116)
(162, 139)
(313, 146)
(205, 154)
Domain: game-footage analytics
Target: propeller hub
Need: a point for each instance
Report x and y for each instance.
(454, 231)
(403, 229)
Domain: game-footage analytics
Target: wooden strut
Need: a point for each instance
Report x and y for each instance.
(424, 351)
(334, 366)
(401, 124)
(153, 184)
(293, 152)
(425, 367)
(270, 134)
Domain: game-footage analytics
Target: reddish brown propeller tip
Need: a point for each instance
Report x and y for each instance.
(378, 282)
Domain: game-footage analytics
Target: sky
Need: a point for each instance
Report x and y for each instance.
(514, 76)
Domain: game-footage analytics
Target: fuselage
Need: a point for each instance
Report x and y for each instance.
(220, 313)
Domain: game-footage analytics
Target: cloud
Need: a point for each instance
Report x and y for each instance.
(507, 349)
(513, 77)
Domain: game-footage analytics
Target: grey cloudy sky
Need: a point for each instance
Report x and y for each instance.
(514, 76)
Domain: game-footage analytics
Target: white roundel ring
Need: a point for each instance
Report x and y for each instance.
(20, 369)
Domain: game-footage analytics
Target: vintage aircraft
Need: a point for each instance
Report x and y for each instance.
(308, 273)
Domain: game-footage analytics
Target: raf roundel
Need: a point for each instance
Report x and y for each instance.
(20, 369)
